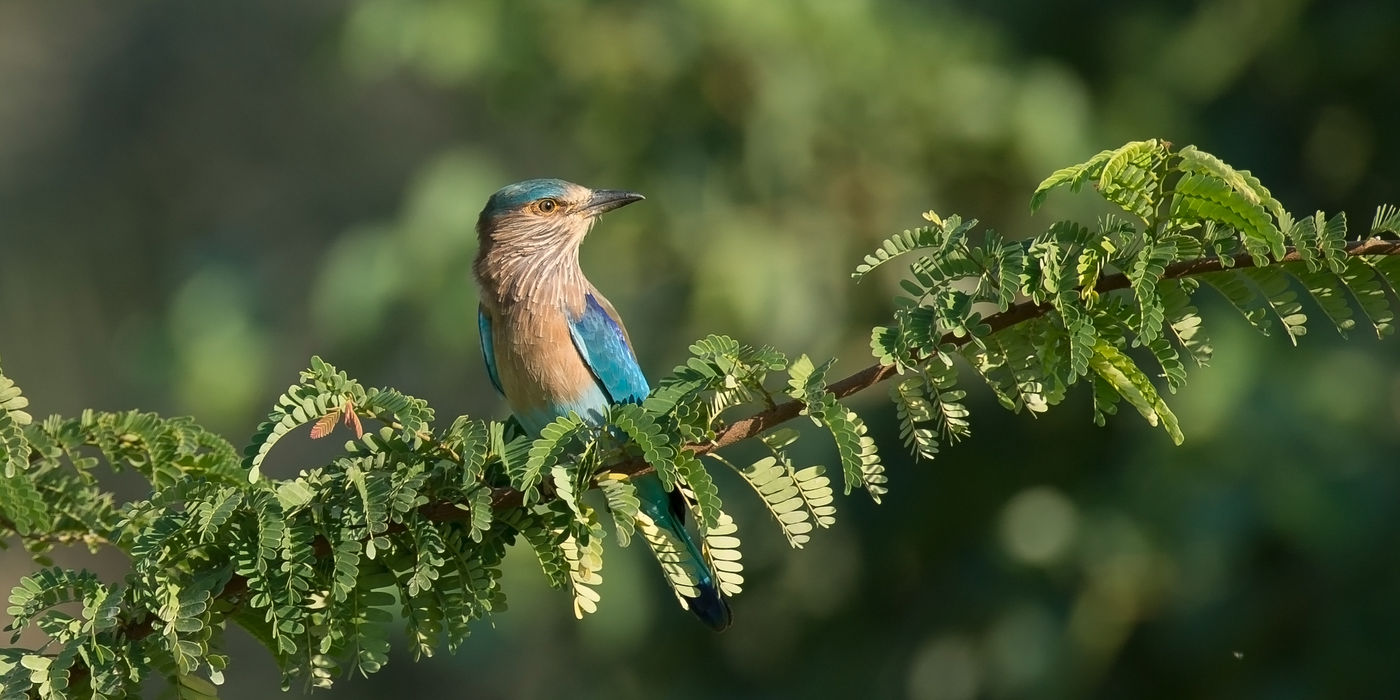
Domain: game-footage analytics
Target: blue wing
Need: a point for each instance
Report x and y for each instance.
(488, 351)
(601, 341)
(599, 338)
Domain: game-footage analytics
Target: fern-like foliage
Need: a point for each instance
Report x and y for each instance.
(409, 525)
(860, 462)
(1091, 294)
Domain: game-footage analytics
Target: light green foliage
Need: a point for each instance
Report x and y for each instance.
(1184, 320)
(623, 504)
(14, 450)
(1124, 377)
(323, 390)
(670, 554)
(1074, 176)
(658, 449)
(546, 452)
(721, 547)
(584, 556)
(701, 487)
(1116, 286)
(797, 499)
(1386, 220)
(722, 375)
(410, 524)
(860, 462)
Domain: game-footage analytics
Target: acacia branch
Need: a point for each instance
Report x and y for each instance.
(762, 421)
(769, 418)
(751, 426)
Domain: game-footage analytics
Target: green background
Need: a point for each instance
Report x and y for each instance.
(196, 197)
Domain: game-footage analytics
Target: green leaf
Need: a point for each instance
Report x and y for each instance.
(623, 504)
(14, 448)
(1074, 176)
(1148, 269)
(1205, 197)
(1242, 296)
(1133, 385)
(657, 448)
(860, 462)
(722, 552)
(671, 554)
(298, 406)
(23, 506)
(1386, 220)
(1132, 178)
(1329, 291)
(770, 478)
(1282, 300)
(1184, 320)
(914, 412)
(1372, 294)
(1196, 161)
(585, 561)
(547, 451)
(692, 474)
(943, 236)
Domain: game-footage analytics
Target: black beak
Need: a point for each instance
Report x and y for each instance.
(608, 200)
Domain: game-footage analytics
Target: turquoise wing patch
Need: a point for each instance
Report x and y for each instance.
(598, 337)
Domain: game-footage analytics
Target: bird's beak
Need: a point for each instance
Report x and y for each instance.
(608, 200)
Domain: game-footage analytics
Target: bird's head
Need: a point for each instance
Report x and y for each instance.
(536, 215)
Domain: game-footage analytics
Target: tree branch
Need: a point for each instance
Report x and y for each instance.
(751, 426)
(760, 422)
(765, 420)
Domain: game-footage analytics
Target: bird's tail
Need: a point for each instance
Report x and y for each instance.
(678, 554)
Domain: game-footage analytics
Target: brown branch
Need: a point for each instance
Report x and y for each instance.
(751, 426)
(758, 423)
(765, 420)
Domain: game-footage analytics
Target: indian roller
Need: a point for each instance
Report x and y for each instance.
(553, 344)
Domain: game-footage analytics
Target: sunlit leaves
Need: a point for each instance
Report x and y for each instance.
(1073, 176)
(585, 561)
(657, 449)
(14, 452)
(1386, 220)
(546, 452)
(692, 473)
(1184, 319)
(1124, 376)
(1121, 284)
(722, 552)
(623, 504)
(1203, 197)
(671, 554)
(860, 462)
(322, 392)
(311, 553)
(797, 500)
(411, 522)
(942, 238)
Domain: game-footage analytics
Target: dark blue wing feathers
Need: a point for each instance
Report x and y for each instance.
(488, 352)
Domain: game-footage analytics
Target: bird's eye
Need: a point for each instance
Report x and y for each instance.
(546, 206)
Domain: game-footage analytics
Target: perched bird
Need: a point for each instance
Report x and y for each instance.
(553, 344)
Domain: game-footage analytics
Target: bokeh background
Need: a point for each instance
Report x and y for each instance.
(196, 197)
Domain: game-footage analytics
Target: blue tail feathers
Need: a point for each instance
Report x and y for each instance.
(668, 510)
(711, 607)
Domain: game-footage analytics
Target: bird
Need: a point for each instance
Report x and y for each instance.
(553, 344)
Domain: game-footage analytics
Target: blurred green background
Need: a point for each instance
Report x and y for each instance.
(195, 197)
